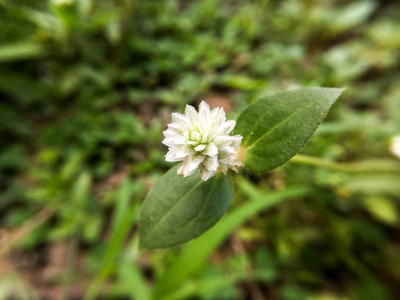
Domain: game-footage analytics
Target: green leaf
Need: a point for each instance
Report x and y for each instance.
(383, 209)
(275, 128)
(20, 51)
(179, 209)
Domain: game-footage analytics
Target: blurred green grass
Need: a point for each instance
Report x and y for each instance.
(87, 88)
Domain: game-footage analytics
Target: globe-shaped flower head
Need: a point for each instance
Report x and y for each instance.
(201, 140)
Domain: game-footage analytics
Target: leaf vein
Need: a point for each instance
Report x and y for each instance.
(277, 125)
(201, 212)
(171, 208)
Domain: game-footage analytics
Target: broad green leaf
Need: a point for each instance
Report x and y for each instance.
(275, 128)
(179, 208)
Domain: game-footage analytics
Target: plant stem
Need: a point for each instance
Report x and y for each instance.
(382, 165)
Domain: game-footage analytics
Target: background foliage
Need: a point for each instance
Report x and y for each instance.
(86, 89)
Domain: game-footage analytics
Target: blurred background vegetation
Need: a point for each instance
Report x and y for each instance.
(86, 89)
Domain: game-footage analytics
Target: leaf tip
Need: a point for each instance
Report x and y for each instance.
(339, 91)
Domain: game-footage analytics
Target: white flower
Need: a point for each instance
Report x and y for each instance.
(201, 140)
(395, 146)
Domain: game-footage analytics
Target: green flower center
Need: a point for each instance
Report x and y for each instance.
(195, 136)
(197, 140)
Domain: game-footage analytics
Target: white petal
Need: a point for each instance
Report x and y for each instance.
(205, 174)
(181, 168)
(206, 137)
(226, 127)
(180, 140)
(211, 150)
(185, 167)
(192, 114)
(180, 118)
(222, 140)
(226, 150)
(169, 141)
(204, 110)
(218, 116)
(224, 156)
(176, 154)
(193, 162)
(223, 167)
(171, 157)
(176, 126)
(174, 141)
(211, 163)
(200, 147)
(236, 140)
(171, 132)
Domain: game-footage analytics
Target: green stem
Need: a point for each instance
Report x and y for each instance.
(382, 165)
